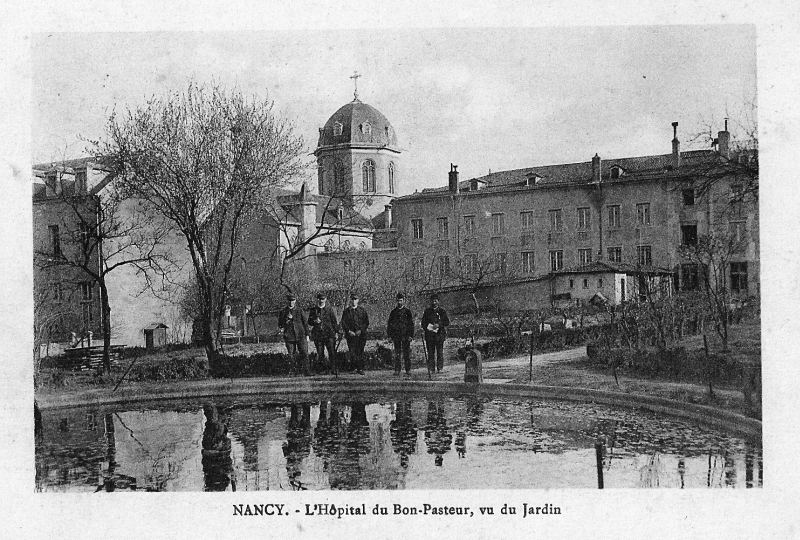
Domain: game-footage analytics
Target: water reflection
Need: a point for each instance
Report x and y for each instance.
(217, 462)
(437, 436)
(381, 444)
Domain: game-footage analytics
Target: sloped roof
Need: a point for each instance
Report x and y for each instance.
(639, 167)
(78, 163)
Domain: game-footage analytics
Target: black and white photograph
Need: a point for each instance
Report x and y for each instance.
(359, 275)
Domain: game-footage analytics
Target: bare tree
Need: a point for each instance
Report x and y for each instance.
(737, 157)
(99, 232)
(713, 254)
(208, 160)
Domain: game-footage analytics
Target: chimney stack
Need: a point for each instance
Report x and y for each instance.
(596, 169)
(724, 141)
(388, 221)
(676, 145)
(453, 178)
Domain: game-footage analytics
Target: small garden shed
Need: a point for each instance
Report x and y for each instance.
(155, 335)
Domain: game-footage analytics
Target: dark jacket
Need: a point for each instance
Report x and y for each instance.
(401, 324)
(355, 320)
(297, 328)
(323, 323)
(435, 316)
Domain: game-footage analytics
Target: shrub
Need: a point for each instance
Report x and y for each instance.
(171, 368)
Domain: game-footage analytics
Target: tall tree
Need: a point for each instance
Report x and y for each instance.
(207, 158)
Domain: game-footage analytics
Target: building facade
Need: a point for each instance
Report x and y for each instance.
(527, 238)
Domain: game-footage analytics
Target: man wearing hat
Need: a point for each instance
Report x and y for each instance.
(434, 326)
(292, 321)
(324, 331)
(355, 322)
(400, 330)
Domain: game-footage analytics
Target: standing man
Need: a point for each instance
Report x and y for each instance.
(434, 326)
(354, 325)
(324, 331)
(292, 321)
(400, 330)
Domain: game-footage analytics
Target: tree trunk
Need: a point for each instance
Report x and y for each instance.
(209, 339)
(106, 309)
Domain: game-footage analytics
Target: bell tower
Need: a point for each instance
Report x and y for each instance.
(358, 159)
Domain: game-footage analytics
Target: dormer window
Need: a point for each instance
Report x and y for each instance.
(532, 179)
(616, 172)
(366, 128)
(337, 129)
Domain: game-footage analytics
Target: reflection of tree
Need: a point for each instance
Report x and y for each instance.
(217, 462)
(298, 443)
(403, 432)
(437, 437)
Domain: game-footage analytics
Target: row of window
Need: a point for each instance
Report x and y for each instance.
(499, 264)
(367, 177)
(364, 127)
(688, 230)
(498, 224)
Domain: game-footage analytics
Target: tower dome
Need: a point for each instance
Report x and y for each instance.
(358, 123)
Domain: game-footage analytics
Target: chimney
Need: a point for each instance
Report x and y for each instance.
(453, 178)
(596, 169)
(388, 221)
(724, 141)
(676, 145)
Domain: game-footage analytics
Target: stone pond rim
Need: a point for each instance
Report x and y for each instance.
(704, 415)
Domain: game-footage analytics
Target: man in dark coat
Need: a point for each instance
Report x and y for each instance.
(355, 322)
(324, 331)
(294, 325)
(400, 330)
(434, 326)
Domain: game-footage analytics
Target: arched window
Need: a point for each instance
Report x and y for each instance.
(329, 245)
(346, 245)
(339, 187)
(391, 177)
(368, 176)
(366, 128)
(337, 129)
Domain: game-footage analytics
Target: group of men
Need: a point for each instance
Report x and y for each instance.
(322, 327)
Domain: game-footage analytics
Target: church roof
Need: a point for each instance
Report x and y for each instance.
(360, 124)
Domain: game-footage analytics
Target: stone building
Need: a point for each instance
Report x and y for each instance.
(520, 226)
(525, 238)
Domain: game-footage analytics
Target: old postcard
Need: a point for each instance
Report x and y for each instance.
(356, 277)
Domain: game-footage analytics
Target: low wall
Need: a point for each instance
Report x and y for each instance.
(285, 389)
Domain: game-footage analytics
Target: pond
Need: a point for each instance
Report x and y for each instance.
(382, 442)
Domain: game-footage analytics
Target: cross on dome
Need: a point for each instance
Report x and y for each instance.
(355, 77)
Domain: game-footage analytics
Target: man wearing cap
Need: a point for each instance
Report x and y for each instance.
(434, 326)
(400, 330)
(355, 322)
(324, 330)
(292, 321)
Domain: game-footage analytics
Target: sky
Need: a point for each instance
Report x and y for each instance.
(483, 99)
